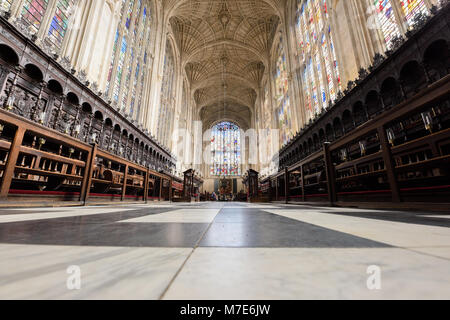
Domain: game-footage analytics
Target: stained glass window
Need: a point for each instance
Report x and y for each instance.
(320, 69)
(128, 68)
(300, 39)
(118, 80)
(266, 124)
(411, 8)
(282, 94)
(318, 15)
(110, 73)
(5, 4)
(328, 70)
(128, 77)
(304, 17)
(386, 20)
(323, 95)
(335, 61)
(307, 93)
(60, 21)
(313, 86)
(33, 11)
(311, 21)
(226, 150)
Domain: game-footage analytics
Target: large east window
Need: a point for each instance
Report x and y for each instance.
(226, 149)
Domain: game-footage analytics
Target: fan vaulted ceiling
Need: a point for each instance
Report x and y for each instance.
(224, 47)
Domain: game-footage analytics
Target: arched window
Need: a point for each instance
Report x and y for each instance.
(321, 78)
(226, 150)
(33, 12)
(59, 15)
(386, 20)
(167, 104)
(128, 68)
(60, 22)
(282, 95)
(411, 8)
(267, 150)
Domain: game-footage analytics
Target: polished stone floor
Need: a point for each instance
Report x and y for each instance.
(223, 251)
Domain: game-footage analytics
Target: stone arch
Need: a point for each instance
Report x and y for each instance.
(347, 121)
(391, 92)
(55, 87)
(359, 113)
(34, 72)
(412, 77)
(437, 59)
(338, 129)
(8, 55)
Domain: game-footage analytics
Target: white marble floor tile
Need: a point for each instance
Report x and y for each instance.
(40, 272)
(226, 273)
(438, 216)
(52, 214)
(399, 234)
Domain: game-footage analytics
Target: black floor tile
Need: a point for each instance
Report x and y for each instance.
(266, 230)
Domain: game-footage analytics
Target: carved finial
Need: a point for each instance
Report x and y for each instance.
(224, 15)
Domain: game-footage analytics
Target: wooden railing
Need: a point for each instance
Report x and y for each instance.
(376, 162)
(37, 163)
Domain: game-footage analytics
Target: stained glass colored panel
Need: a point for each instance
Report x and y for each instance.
(300, 39)
(320, 69)
(33, 12)
(411, 8)
(335, 61)
(282, 90)
(323, 95)
(312, 78)
(306, 81)
(318, 14)
(226, 150)
(129, 14)
(60, 21)
(328, 70)
(5, 4)
(108, 83)
(304, 17)
(386, 20)
(118, 80)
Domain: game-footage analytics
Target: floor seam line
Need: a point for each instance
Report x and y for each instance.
(187, 258)
(425, 254)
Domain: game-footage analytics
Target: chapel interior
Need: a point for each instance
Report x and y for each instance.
(126, 103)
